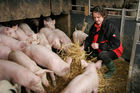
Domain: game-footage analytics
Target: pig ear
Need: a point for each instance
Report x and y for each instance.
(75, 29)
(53, 21)
(69, 60)
(7, 29)
(98, 64)
(45, 22)
(15, 27)
(84, 63)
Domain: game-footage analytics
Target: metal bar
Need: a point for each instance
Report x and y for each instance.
(117, 9)
(136, 39)
(138, 9)
(78, 6)
(122, 24)
(88, 7)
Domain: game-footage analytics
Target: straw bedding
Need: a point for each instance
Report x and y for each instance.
(116, 84)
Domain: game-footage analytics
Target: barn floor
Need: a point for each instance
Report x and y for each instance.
(116, 84)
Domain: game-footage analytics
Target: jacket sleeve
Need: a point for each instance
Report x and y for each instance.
(112, 35)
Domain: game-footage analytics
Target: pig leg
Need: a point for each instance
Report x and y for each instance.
(95, 90)
(28, 90)
(44, 80)
(42, 74)
(53, 78)
(18, 88)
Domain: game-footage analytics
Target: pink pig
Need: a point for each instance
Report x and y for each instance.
(64, 39)
(51, 37)
(4, 51)
(28, 31)
(48, 59)
(22, 59)
(12, 43)
(14, 32)
(20, 75)
(79, 36)
(43, 41)
(20, 34)
(8, 31)
(86, 82)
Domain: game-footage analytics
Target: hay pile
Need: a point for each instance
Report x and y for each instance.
(116, 84)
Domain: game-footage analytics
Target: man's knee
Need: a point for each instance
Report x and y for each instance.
(104, 57)
(103, 54)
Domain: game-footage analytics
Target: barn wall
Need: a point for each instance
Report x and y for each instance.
(22, 9)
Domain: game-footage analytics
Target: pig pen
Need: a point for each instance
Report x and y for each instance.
(60, 12)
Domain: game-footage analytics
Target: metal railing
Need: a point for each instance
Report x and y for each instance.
(121, 10)
(135, 42)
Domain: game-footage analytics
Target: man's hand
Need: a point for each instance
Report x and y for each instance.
(95, 45)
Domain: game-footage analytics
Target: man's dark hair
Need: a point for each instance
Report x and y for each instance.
(100, 10)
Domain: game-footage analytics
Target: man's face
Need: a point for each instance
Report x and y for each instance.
(98, 18)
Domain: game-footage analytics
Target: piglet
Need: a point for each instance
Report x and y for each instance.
(87, 82)
(64, 39)
(22, 59)
(25, 27)
(53, 39)
(4, 51)
(20, 75)
(11, 32)
(43, 41)
(20, 34)
(12, 43)
(46, 58)
(79, 36)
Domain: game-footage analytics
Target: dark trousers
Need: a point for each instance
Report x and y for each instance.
(105, 56)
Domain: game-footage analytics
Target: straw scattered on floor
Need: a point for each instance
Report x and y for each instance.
(116, 84)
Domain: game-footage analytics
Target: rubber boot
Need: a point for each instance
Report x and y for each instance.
(111, 70)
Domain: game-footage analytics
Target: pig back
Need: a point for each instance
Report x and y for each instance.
(20, 75)
(47, 58)
(5, 50)
(22, 59)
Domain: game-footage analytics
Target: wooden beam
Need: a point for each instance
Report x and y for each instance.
(56, 7)
(67, 6)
